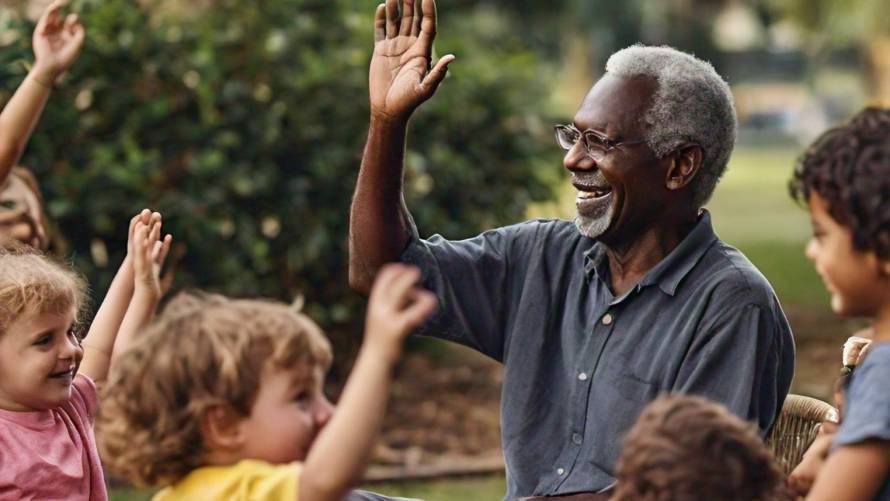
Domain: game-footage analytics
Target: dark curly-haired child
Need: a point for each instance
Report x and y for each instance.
(844, 179)
(686, 447)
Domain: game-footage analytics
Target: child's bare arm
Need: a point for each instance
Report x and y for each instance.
(131, 299)
(99, 341)
(149, 253)
(853, 472)
(341, 453)
(57, 43)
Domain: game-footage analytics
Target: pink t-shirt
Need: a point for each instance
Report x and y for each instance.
(51, 455)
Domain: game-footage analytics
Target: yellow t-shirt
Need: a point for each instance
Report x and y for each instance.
(248, 480)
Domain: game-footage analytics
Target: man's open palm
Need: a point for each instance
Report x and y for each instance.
(400, 76)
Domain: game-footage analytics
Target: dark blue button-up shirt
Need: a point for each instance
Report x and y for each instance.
(580, 363)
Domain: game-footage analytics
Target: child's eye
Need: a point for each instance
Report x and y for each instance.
(43, 340)
(303, 398)
(8, 204)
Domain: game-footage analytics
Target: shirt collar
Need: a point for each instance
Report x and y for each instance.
(668, 273)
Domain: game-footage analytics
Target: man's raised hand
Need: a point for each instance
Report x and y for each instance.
(400, 76)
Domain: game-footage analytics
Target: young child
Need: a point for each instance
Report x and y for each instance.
(56, 44)
(22, 213)
(47, 379)
(689, 448)
(231, 403)
(844, 178)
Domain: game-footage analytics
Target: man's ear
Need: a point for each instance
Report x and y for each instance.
(220, 427)
(685, 162)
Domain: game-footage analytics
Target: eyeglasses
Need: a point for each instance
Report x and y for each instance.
(596, 144)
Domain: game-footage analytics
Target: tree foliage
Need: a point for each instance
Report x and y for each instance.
(244, 125)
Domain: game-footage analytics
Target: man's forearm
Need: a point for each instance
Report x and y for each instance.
(379, 224)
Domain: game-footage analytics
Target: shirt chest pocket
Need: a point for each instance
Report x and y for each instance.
(617, 402)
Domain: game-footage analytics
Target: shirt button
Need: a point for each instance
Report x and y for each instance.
(582, 376)
(607, 319)
(560, 471)
(576, 438)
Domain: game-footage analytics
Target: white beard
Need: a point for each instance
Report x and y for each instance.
(593, 227)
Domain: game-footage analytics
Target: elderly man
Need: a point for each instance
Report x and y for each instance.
(594, 319)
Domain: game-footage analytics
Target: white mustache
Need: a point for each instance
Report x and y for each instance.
(595, 178)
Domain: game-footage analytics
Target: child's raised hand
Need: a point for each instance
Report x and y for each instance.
(149, 253)
(57, 41)
(396, 307)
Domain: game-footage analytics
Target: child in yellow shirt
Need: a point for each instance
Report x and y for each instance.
(222, 399)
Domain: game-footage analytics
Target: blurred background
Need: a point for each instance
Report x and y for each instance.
(243, 122)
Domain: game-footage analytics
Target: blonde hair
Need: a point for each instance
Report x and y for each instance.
(203, 351)
(33, 284)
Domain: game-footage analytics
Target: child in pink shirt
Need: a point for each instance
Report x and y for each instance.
(48, 379)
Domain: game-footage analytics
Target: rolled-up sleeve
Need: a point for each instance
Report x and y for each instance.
(743, 359)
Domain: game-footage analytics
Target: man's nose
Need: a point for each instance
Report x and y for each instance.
(577, 159)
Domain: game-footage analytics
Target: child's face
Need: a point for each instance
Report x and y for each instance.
(286, 416)
(852, 277)
(39, 357)
(21, 214)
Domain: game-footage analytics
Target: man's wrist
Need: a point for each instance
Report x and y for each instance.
(381, 119)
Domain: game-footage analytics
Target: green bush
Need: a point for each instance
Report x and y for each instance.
(244, 125)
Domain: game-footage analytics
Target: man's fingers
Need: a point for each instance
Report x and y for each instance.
(428, 23)
(418, 17)
(432, 80)
(380, 23)
(392, 18)
(407, 18)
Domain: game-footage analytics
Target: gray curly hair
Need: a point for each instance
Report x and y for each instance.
(692, 104)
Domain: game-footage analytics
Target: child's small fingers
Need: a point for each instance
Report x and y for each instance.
(156, 250)
(155, 233)
(145, 216)
(403, 283)
(385, 276)
(423, 305)
(70, 21)
(165, 249)
(50, 14)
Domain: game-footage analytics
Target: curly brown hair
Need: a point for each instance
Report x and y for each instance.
(686, 448)
(849, 167)
(32, 283)
(204, 350)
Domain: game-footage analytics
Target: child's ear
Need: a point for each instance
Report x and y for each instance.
(221, 428)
